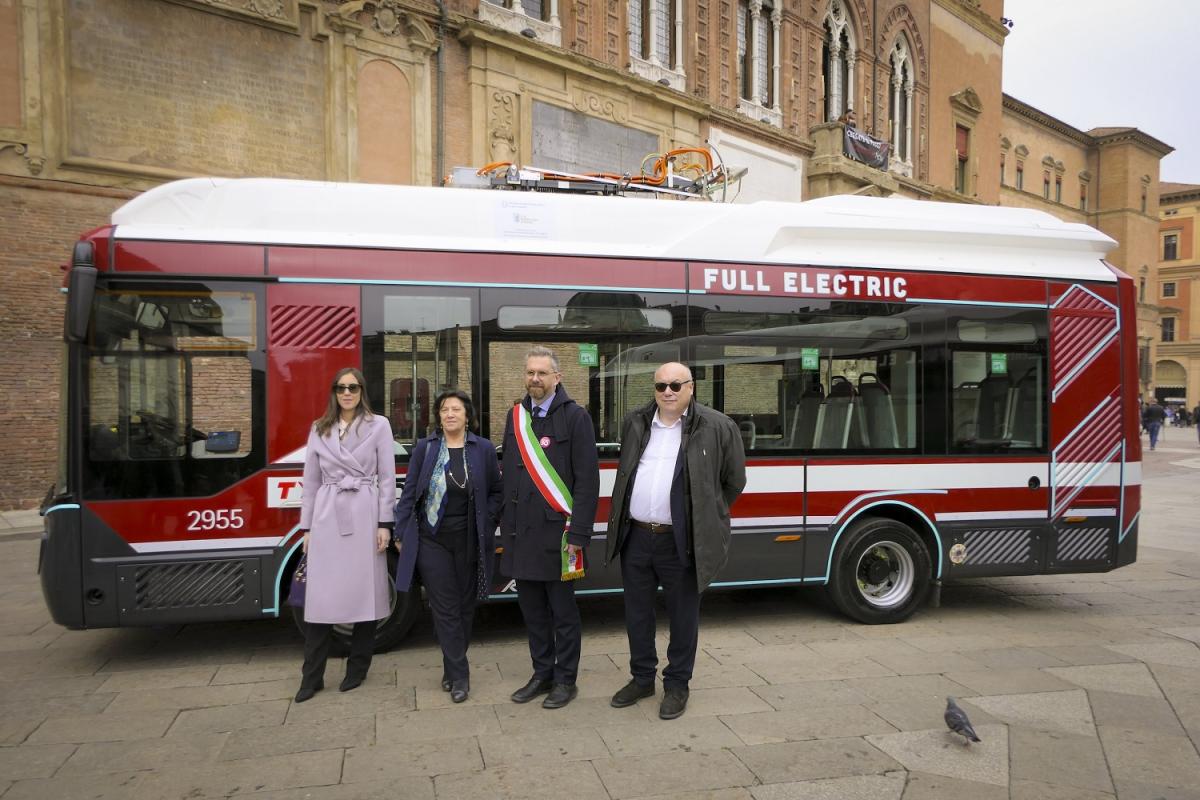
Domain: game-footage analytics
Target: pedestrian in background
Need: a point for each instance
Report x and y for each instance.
(346, 517)
(682, 466)
(549, 462)
(1153, 417)
(445, 527)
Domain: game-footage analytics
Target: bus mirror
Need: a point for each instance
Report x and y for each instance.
(81, 290)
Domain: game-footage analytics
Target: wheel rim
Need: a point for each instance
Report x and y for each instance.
(885, 574)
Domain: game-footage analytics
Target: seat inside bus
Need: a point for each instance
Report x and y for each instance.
(877, 412)
(840, 422)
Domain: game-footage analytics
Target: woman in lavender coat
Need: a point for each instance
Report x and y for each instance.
(349, 489)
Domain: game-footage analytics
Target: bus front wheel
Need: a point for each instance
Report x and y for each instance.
(403, 608)
(881, 572)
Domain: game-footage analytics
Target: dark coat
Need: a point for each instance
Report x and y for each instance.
(532, 531)
(712, 474)
(484, 469)
(1154, 413)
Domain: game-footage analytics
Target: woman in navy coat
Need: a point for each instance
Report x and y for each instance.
(446, 520)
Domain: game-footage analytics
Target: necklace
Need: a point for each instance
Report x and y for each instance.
(454, 480)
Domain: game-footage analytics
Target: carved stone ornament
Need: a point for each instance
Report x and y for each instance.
(502, 134)
(387, 19)
(34, 163)
(967, 100)
(594, 105)
(284, 10)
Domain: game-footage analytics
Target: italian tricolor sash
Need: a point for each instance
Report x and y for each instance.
(548, 484)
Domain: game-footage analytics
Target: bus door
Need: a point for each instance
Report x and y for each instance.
(1087, 430)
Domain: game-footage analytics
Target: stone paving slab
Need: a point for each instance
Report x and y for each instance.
(1148, 758)
(687, 734)
(33, 761)
(434, 724)
(810, 760)
(189, 697)
(220, 719)
(250, 775)
(1037, 790)
(411, 788)
(671, 773)
(1064, 759)
(526, 782)
(927, 786)
(399, 760)
(1123, 678)
(1069, 711)
(942, 753)
(104, 786)
(542, 746)
(103, 727)
(856, 787)
(143, 754)
(299, 737)
(829, 722)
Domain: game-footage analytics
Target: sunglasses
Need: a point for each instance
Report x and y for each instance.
(343, 388)
(675, 385)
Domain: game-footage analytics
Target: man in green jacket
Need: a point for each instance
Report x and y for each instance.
(682, 466)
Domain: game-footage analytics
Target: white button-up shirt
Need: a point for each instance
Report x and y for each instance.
(650, 500)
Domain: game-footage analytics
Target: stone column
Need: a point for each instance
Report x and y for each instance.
(776, 24)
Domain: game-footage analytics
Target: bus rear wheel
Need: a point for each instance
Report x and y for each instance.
(403, 608)
(881, 572)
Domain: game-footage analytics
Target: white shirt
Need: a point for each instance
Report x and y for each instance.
(650, 500)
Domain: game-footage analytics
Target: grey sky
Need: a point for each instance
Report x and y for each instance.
(1096, 63)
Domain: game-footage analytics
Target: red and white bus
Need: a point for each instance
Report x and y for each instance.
(926, 391)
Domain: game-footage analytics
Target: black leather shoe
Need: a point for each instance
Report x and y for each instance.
(560, 695)
(630, 693)
(306, 692)
(531, 690)
(460, 689)
(674, 703)
(349, 683)
(445, 684)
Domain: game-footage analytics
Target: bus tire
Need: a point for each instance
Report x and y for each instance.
(403, 608)
(881, 572)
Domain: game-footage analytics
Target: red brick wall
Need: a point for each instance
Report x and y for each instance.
(40, 223)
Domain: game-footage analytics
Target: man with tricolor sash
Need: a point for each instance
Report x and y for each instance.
(551, 487)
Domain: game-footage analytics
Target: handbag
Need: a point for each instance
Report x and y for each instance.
(299, 583)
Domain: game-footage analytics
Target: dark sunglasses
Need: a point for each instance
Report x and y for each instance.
(675, 385)
(343, 388)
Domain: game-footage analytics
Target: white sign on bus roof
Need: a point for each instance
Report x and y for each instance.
(839, 231)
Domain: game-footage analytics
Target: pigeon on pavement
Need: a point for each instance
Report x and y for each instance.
(957, 722)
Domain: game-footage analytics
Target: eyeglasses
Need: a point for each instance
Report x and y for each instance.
(675, 385)
(343, 388)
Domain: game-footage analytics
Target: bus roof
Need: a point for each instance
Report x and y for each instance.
(839, 231)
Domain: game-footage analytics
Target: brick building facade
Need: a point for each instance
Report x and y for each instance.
(101, 99)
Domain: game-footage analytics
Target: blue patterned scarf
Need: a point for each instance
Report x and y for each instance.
(437, 486)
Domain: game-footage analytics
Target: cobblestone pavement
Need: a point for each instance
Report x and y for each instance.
(1081, 687)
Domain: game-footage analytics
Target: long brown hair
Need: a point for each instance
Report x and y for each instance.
(333, 411)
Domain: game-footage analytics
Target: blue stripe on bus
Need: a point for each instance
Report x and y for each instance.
(480, 285)
(279, 573)
(973, 302)
(937, 536)
(61, 507)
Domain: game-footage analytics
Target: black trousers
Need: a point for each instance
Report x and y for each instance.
(448, 563)
(318, 637)
(649, 560)
(555, 629)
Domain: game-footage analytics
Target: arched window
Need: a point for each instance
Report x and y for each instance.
(838, 56)
(900, 105)
(758, 33)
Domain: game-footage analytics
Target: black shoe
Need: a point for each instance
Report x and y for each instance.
(674, 703)
(531, 690)
(560, 695)
(306, 692)
(460, 689)
(349, 683)
(445, 684)
(630, 693)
